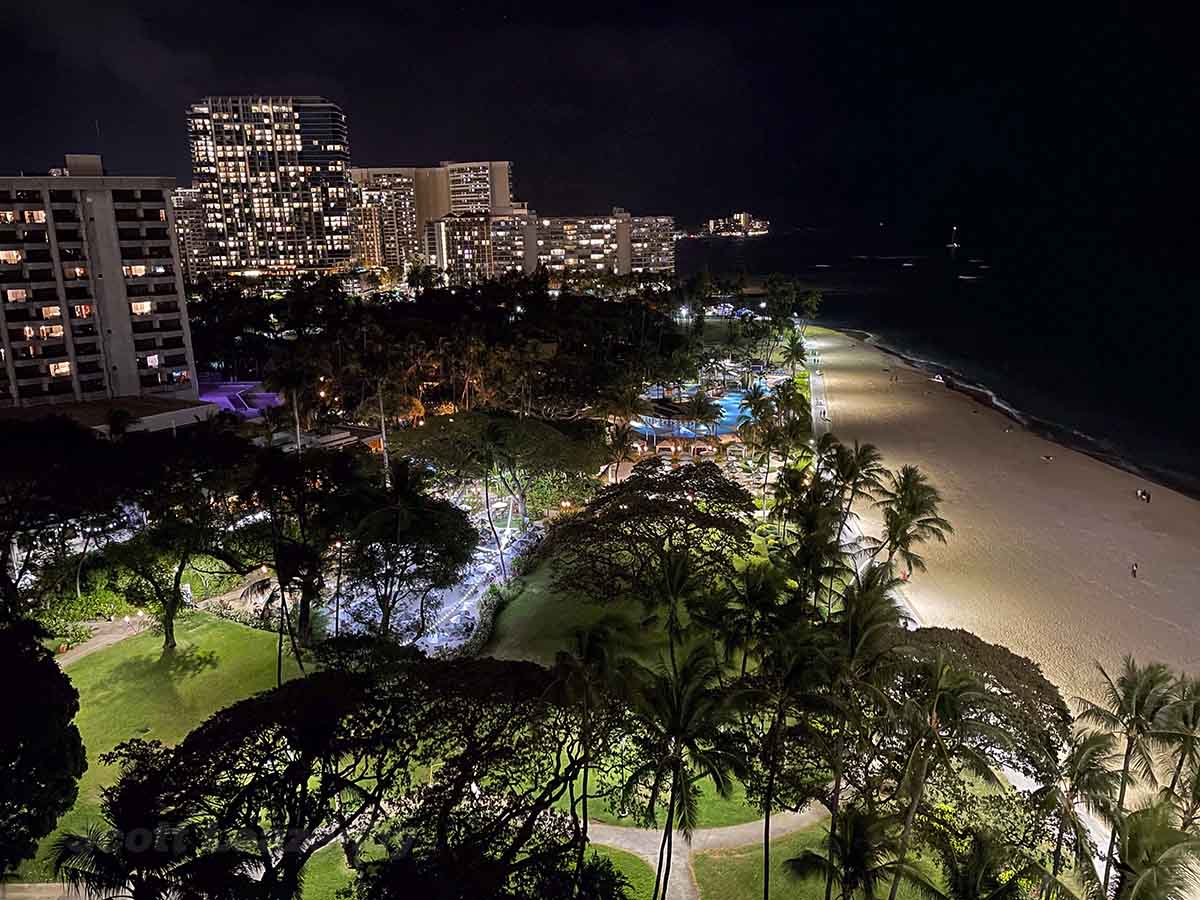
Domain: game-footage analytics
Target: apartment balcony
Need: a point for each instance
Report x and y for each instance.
(91, 385)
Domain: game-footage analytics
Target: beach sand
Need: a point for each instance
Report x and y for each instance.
(1041, 555)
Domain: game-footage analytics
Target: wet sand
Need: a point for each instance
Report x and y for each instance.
(1041, 555)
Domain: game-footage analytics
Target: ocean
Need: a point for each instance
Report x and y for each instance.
(1044, 351)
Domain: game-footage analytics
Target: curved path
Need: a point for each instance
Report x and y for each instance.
(644, 843)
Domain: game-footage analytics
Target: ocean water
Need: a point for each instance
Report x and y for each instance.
(1048, 358)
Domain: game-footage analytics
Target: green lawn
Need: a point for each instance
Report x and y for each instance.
(736, 873)
(326, 873)
(714, 810)
(541, 621)
(634, 868)
(131, 690)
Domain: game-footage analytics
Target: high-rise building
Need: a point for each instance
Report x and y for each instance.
(273, 175)
(463, 247)
(391, 195)
(190, 232)
(366, 220)
(514, 242)
(652, 244)
(616, 244)
(476, 187)
(92, 301)
(581, 244)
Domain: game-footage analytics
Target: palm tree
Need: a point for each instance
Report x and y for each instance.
(585, 670)
(860, 856)
(684, 739)
(1181, 732)
(859, 473)
(702, 411)
(104, 862)
(1133, 706)
(1085, 781)
(982, 866)
(794, 354)
(865, 625)
(749, 608)
(945, 707)
(785, 682)
(1157, 860)
(622, 440)
(911, 517)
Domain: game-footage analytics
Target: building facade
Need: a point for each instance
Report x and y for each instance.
(190, 233)
(585, 245)
(273, 176)
(617, 244)
(91, 284)
(652, 244)
(389, 199)
(462, 245)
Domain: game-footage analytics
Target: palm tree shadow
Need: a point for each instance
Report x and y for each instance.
(171, 664)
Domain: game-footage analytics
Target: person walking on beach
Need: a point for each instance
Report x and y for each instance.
(1133, 570)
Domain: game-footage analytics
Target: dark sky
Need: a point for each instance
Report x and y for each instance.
(840, 114)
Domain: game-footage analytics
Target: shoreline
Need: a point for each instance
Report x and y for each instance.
(1063, 435)
(1044, 537)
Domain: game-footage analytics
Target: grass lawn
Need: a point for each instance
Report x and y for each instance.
(542, 621)
(634, 868)
(736, 873)
(714, 810)
(131, 690)
(326, 873)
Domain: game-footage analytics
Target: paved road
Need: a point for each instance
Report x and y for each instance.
(644, 843)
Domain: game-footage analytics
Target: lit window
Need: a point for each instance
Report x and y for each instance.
(74, 272)
(133, 271)
(10, 256)
(17, 295)
(162, 215)
(141, 308)
(7, 216)
(51, 312)
(29, 332)
(35, 215)
(152, 361)
(51, 331)
(59, 369)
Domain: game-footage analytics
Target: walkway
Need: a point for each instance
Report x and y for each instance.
(644, 843)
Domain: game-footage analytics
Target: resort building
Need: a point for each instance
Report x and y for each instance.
(462, 247)
(618, 244)
(91, 284)
(652, 244)
(386, 206)
(190, 232)
(741, 224)
(273, 176)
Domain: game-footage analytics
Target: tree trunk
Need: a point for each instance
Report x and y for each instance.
(487, 505)
(1056, 863)
(168, 626)
(768, 800)
(906, 835)
(664, 849)
(668, 836)
(296, 415)
(834, 802)
(1178, 770)
(1112, 838)
(387, 472)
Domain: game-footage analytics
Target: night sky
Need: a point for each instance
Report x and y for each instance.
(840, 115)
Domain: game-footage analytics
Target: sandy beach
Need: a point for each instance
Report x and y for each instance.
(1041, 557)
